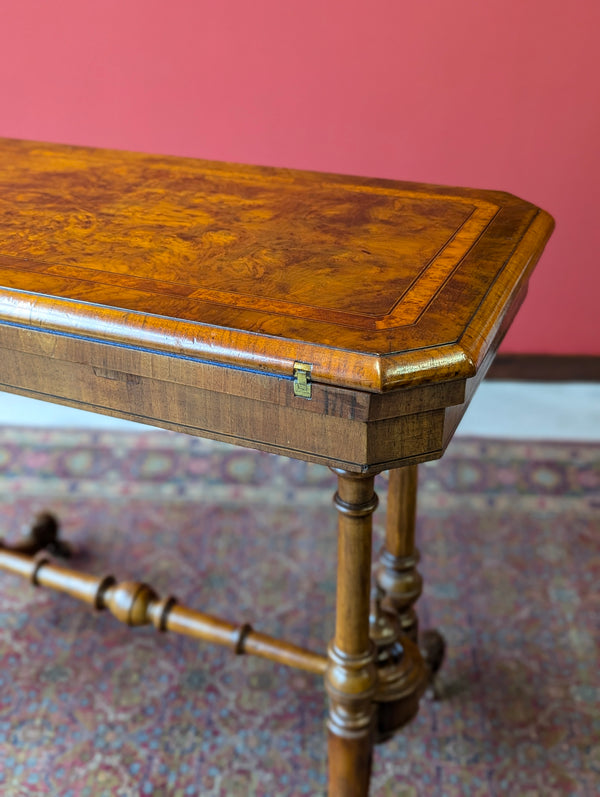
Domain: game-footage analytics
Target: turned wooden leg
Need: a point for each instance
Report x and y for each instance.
(351, 676)
(397, 574)
(43, 535)
(402, 673)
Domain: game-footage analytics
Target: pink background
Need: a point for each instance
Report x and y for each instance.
(488, 93)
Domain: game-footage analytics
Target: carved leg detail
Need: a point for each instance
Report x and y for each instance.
(397, 574)
(403, 675)
(43, 535)
(351, 676)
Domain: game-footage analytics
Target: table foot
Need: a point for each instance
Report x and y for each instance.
(42, 536)
(433, 649)
(402, 673)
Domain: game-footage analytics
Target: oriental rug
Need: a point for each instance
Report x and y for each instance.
(89, 708)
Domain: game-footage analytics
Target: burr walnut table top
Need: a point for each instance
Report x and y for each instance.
(123, 261)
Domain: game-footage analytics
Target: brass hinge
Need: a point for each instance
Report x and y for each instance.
(302, 383)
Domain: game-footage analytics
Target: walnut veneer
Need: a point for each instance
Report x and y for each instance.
(340, 320)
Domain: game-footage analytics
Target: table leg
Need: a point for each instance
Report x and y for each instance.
(42, 535)
(351, 677)
(397, 574)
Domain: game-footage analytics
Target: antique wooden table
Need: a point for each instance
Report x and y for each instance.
(339, 320)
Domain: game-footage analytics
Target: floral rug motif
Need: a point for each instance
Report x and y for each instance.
(89, 708)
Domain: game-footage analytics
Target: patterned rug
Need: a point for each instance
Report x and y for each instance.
(511, 558)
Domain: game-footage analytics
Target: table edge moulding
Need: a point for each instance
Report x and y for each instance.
(341, 320)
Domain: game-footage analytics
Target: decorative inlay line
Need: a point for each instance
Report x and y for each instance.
(424, 289)
(405, 310)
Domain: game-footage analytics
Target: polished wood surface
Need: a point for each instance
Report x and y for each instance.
(397, 574)
(351, 676)
(402, 674)
(355, 430)
(182, 294)
(377, 284)
(398, 580)
(135, 604)
(340, 320)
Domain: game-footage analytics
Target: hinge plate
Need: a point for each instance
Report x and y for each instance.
(302, 383)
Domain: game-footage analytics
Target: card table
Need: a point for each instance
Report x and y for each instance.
(340, 320)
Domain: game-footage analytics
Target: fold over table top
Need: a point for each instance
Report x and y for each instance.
(375, 284)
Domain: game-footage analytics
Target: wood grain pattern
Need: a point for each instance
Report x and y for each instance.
(402, 674)
(359, 445)
(257, 267)
(136, 603)
(181, 293)
(351, 677)
(397, 575)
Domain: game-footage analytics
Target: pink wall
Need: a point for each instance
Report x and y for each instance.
(488, 93)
